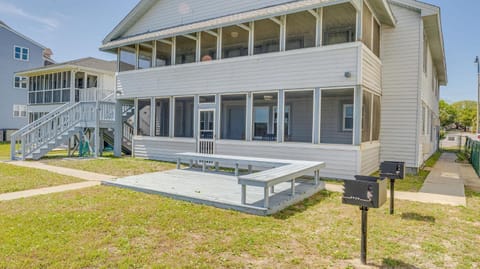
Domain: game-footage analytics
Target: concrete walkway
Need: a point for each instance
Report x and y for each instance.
(92, 179)
(49, 190)
(446, 177)
(64, 171)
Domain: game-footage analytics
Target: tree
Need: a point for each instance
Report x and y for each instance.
(448, 114)
(466, 113)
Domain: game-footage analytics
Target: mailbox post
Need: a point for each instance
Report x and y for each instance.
(392, 171)
(366, 192)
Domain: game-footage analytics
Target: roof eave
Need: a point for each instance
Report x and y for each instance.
(57, 68)
(433, 29)
(383, 11)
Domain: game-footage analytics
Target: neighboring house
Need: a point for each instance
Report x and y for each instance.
(54, 85)
(355, 82)
(17, 52)
(67, 103)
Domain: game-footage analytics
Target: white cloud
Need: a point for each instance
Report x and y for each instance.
(10, 9)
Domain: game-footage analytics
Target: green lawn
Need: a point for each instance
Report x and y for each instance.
(4, 151)
(119, 167)
(113, 228)
(14, 178)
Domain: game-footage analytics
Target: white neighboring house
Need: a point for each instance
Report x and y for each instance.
(17, 52)
(356, 81)
(67, 103)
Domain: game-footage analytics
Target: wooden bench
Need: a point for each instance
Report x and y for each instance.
(269, 178)
(233, 161)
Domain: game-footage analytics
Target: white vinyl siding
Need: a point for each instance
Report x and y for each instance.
(371, 71)
(400, 100)
(370, 158)
(255, 73)
(170, 13)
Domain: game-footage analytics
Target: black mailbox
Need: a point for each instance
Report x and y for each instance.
(392, 170)
(365, 191)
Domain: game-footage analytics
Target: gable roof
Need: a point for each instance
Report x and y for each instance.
(8, 28)
(88, 63)
(114, 39)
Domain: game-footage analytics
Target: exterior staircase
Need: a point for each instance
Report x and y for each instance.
(57, 127)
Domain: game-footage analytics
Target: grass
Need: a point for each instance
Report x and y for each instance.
(14, 178)
(119, 167)
(4, 151)
(115, 228)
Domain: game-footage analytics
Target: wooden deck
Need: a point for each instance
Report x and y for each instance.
(217, 189)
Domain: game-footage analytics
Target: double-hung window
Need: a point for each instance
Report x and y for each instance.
(20, 82)
(21, 53)
(19, 111)
(347, 117)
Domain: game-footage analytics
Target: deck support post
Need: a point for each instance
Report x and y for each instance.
(244, 194)
(203, 165)
(236, 170)
(191, 164)
(272, 189)
(265, 200)
(178, 163)
(293, 187)
(216, 167)
(250, 169)
(317, 177)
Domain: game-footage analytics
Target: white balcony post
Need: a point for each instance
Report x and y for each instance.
(357, 115)
(249, 123)
(152, 116)
(316, 115)
(171, 123)
(319, 39)
(72, 87)
(280, 116)
(219, 44)
(117, 131)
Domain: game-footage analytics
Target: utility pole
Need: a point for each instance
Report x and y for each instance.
(477, 61)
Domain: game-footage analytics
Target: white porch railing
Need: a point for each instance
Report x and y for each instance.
(49, 128)
(93, 94)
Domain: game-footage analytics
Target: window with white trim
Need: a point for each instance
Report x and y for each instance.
(347, 117)
(19, 111)
(20, 82)
(21, 53)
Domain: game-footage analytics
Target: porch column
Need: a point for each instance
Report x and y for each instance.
(171, 123)
(248, 127)
(152, 116)
(218, 111)
(319, 28)
(195, 116)
(283, 32)
(135, 122)
(317, 103)
(72, 86)
(280, 115)
(117, 131)
(359, 30)
(357, 116)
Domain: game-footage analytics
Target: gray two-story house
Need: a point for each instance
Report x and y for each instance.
(17, 52)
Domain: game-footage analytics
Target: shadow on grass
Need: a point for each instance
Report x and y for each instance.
(392, 263)
(302, 206)
(418, 217)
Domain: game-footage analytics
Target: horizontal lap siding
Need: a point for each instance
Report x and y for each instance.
(370, 159)
(171, 13)
(371, 71)
(340, 163)
(400, 100)
(154, 149)
(307, 68)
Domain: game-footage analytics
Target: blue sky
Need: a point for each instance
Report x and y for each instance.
(74, 29)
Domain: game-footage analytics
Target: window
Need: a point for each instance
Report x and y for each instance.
(184, 117)
(264, 110)
(233, 117)
(162, 117)
(234, 42)
(301, 30)
(19, 111)
(367, 116)
(208, 47)
(298, 119)
(348, 117)
(186, 50)
(164, 53)
(145, 54)
(207, 99)
(21, 53)
(127, 58)
(337, 117)
(20, 82)
(337, 30)
(143, 117)
(267, 36)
